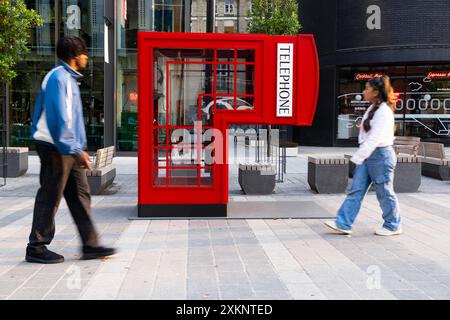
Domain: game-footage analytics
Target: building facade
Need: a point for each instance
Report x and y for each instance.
(109, 86)
(360, 39)
(232, 16)
(409, 41)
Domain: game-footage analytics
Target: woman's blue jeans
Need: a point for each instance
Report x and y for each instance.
(379, 170)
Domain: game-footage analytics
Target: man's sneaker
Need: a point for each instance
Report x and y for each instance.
(332, 224)
(386, 232)
(43, 255)
(96, 252)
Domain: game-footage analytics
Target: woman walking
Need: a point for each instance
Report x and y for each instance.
(375, 162)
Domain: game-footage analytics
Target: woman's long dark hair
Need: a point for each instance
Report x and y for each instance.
(385, 94)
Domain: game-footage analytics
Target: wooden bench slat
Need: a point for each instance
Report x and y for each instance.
(104, 157)
(432, 150)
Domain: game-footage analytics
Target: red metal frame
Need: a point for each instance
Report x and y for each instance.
(306, 82)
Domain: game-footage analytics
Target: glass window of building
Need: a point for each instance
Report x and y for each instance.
(231, 16)
(229, 7)
(426, 106)
(134, 16)
(422, 100)
(61, 17)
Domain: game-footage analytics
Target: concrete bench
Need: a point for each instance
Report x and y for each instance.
(17, 160)
(257, 178)
(407, 175)
(434, 162)
(328, 174)
(103, 171)
(406, 145)
(291, 148)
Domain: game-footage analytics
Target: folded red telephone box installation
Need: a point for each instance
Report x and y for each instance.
(192, 86)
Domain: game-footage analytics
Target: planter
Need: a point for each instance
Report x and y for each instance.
(17, 159)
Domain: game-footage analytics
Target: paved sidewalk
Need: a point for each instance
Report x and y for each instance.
(234, 258)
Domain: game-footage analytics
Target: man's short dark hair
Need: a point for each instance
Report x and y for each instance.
(70, 47)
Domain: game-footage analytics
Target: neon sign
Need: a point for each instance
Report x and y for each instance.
(438, 74)
(367, 76)
(133, 96)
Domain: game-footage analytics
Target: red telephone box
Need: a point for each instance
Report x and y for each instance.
(195, 84)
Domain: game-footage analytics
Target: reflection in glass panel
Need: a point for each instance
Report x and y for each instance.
(245, 79)
(183, 177)
(247, 55)
(159, 176)
(206, 177)
(225, 55)
(207, 105)
(159, 137)
(245, 103)
(427, 102)
(225, 103)
(187, 82)
(186, 137)
(183, 157)
(159, 157)
(225, 78)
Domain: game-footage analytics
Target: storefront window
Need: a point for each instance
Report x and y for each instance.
(169, 15)
(423, 100)
(134, 16)
(69, 17)
(426, 108)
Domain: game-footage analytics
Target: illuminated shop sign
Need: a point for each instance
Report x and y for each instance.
(284, 79)
(438, 74)
(367, 76)
(133, 96)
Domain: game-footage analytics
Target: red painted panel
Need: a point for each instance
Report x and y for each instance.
(308, 80)
(304, 96)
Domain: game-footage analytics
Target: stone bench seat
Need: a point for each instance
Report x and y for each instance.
(328, 174)
(407, 174)
(103, 172)
(17, 162)
(257, 178)
(406, 145)
(434, 162)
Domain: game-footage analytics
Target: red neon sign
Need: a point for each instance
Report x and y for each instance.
(438, 74)
(133, 96)
(367, 76)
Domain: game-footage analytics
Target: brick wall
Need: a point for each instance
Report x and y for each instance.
(409, 22)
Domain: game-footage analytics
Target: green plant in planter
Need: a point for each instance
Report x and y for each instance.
(16, 22)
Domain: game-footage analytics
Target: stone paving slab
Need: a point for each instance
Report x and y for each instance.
(262, 258)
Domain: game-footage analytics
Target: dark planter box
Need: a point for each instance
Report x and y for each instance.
(328, 175)
(17, 159)
(407, 175)
(100, 179)
(257, 178)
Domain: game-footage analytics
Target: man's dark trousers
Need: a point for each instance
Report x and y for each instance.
(60, 176)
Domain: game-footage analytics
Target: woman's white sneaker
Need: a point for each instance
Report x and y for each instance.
(386, 232)
(332, 224)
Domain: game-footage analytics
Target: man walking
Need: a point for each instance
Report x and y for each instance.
(59, 132)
